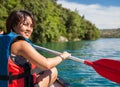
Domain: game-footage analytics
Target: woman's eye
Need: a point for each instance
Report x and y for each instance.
(31, 25)
(25, 23)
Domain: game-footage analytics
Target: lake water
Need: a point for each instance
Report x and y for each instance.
(81, 75)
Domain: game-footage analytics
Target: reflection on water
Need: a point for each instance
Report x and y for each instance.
(80, 74)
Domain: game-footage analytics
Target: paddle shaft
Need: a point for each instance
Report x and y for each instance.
(57, 53)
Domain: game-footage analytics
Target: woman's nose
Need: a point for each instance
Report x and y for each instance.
(29, 28)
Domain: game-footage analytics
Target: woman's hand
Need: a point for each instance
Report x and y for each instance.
(65, 55)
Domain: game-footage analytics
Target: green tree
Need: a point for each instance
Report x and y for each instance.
(52, 20)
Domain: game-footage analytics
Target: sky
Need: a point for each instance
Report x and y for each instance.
(105, 14)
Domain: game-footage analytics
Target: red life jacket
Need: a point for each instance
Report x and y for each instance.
(17, 70)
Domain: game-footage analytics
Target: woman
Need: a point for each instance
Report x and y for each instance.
(22, 55)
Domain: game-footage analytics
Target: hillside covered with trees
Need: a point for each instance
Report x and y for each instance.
(110, 33)
(52, 20)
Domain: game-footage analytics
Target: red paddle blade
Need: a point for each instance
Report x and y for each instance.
(107, 68)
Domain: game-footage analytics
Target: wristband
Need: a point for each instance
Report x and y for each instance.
(62, 57)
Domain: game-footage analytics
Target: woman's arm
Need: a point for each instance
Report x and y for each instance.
(24, 49)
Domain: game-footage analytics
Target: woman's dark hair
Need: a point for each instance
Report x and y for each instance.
(17, 17)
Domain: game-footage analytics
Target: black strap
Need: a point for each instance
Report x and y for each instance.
(13, 77)
(28, 80)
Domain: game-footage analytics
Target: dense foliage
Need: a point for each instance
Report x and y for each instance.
(52, 20)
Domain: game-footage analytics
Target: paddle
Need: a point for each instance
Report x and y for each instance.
(107, 68)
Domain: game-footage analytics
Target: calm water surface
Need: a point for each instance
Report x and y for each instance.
(81, 75)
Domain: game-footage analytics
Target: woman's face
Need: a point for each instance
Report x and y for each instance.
(25, 28)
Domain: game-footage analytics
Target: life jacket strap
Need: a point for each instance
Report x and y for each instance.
(13, 77)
